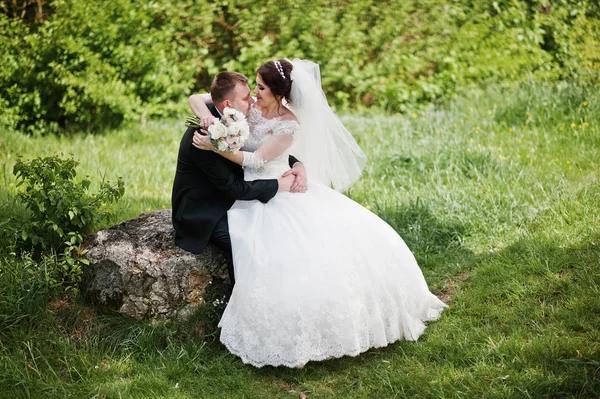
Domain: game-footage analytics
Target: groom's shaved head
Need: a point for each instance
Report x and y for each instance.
(224, 84)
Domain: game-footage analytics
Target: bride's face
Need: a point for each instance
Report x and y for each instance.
(264, 95)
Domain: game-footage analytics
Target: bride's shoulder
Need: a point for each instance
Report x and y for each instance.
(289, 116)
(286, 124)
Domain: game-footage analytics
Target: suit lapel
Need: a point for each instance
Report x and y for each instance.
(213, 110)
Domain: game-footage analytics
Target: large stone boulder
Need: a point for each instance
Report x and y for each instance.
(136, 269)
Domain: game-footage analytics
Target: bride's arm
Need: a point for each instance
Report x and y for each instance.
(271, 149)
(198, 104)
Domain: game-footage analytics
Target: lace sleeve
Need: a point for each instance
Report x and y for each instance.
(280, 140)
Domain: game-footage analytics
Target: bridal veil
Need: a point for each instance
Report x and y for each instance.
(326, 148)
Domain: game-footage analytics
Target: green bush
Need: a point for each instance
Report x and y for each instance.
(62, 212)
(91, 65)
(59, 205)
(96, 64)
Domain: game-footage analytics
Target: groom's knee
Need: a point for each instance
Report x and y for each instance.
(222, 239)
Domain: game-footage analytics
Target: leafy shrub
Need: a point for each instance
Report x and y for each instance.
(62, 213)
(92, 65)
(96, 64)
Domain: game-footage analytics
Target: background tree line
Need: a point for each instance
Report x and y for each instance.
(69, 65)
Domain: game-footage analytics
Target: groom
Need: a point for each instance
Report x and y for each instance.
(206, 185)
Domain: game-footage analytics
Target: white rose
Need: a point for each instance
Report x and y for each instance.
(244, 130)
(227, 120)
(229, 111)
(222, 145)
(236, 144)
(217, 131)
(240, 116)
(234, 129)
(231, 129)
(234, 114)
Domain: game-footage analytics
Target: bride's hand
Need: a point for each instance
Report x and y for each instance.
(202, 142)
(206, 121)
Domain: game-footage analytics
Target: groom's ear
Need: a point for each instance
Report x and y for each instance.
(226, 104)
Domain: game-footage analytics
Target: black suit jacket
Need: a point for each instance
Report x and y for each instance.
(206, 185)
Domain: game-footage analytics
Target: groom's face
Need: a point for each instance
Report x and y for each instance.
(241, 98)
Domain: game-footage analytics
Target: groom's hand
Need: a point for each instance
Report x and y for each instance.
(300, 180)
(285, 183)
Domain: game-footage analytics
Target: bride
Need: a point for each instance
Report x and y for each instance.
(317, 275)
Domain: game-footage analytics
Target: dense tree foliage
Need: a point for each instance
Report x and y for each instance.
(95, 64)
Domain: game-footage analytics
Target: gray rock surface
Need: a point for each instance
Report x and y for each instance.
(136, 269)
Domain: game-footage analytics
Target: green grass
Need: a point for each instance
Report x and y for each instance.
(495, 193)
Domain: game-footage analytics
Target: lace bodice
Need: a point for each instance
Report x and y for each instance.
(267, 149)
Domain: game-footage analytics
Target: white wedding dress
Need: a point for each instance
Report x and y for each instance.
(317, 275)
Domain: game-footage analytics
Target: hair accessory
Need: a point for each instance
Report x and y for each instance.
(279, 68)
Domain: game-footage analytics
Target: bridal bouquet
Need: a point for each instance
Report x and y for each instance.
(229, 133)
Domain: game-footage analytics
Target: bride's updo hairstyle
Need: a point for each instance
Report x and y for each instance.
(276, 74)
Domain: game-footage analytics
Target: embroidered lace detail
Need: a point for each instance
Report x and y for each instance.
(292, 333)
(267, 149)
(317, 275)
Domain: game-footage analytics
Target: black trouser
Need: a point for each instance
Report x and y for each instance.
(220, 236)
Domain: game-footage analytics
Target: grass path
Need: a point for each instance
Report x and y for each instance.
(497, 194)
